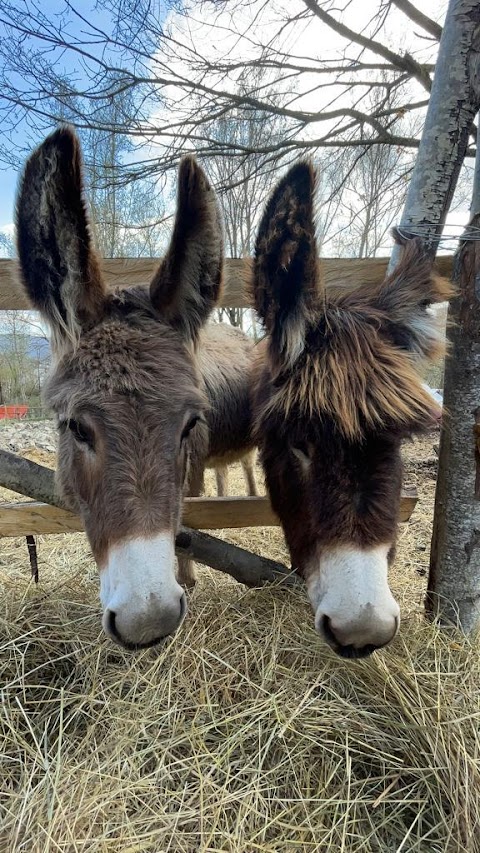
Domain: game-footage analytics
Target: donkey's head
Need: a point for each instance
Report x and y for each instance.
(338, 390)
(124, 385)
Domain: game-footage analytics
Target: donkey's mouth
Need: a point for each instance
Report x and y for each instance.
(350, 651)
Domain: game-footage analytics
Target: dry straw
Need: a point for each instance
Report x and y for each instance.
(243, 733)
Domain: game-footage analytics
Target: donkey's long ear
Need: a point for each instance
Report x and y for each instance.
(187, 284)
(285, 263)
(407, 295)
(58, 266)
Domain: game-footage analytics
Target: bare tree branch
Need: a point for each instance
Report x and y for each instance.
(403, 63)
(419, 18)
(188, 71)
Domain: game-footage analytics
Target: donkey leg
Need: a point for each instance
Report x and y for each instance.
(221, 473)
(186, 567)
(248, 465)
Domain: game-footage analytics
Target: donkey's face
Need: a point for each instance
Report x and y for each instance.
(124, 385)
(336, 393)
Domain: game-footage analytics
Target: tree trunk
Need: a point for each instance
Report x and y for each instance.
(454, 580)
(454, 102)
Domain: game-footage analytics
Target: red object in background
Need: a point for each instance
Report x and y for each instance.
(12, 412)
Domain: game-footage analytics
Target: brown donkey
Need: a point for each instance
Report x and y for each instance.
(144, 395)
(336, 389)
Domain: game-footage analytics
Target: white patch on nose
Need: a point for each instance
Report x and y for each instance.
(139, 591)
(349, 592)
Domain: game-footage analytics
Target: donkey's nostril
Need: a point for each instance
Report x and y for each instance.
(111, 627)
(183, 607)
(330, 637)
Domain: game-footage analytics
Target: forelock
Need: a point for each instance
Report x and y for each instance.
(351, 373)
(131, 351)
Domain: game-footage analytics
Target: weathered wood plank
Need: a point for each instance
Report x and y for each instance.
(32, 517)
(21, 519)
(346, 273)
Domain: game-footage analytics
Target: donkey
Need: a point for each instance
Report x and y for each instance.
(336, 387)
(248, 468)
(144, 393)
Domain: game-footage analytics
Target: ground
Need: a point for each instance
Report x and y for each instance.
(244, 733)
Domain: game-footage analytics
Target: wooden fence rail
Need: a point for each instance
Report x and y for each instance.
(32, 517)
(29, 518)
(346, 273)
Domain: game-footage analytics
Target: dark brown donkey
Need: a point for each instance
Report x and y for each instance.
(337, 388)
(144, 395)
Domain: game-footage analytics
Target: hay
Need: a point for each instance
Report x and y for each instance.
(244, 733)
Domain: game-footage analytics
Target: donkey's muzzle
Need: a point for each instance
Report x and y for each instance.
(359, 648)
(168, 626)
(355, 611)
(142, 600)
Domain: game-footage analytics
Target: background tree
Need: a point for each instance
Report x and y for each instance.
(24, 351)
(24, 358)
(188, 65)
(370, 184)
(243, 184)
(128, 217)
(7, 249)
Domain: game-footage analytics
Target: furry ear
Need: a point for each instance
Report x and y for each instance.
(188, 281)
(406, 296)
(285, 263)
(59, 268)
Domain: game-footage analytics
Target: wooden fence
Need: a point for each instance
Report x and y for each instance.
(31, 517)
(345, 273)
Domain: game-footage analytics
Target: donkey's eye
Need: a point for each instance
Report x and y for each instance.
(80, 432)
(189, 426)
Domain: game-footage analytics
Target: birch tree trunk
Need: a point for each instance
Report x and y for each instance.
(454, 102)
(454, 580)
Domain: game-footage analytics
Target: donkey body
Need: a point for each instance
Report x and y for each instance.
(248, 468)
(144, 391)
(336, 388)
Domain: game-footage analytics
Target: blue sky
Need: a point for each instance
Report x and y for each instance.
(8, 180)
(25, 137)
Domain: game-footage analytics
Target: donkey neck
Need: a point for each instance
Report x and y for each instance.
(225, 356)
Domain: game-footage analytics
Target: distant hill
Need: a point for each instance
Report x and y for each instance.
(37, 347)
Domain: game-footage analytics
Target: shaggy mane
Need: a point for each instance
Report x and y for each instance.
(350, 372)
